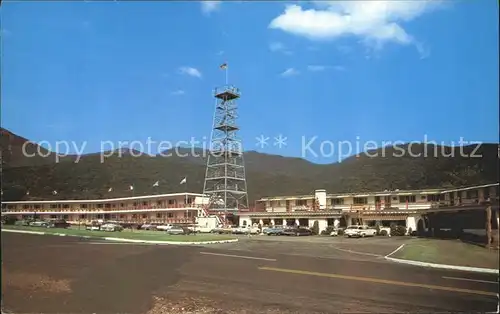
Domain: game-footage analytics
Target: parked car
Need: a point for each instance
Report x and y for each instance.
(93, 226)
(297, 232)
(111, 227)
(334, 233)
(148, 226)
(360, 231)
(177, 230)
(59, 224)
(39, 223)
(273, 231)
(163, 227)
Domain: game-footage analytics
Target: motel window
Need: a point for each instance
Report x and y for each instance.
(188, 214)
(134, 216)
(433, 197)
(135, 204)
(158, 203)
(26, 206)
(360, 201)
(99, 216)
(53, 206)
(144, 203)
(337, 201)
(394, 198)
(407, 198)
(53, 216)
(471, 194)
(144, 216)
(65, 217)
(190, 200)
(83, 205)
(37, 206)
(171, 202)
(170, 215)
(158, 215)
(82, 216)
(114, 205)
(300, 202)
(4, 205)
(11, 206)
(107, 205)
(99, 205)
(122, 216)
(65, 206)
(122, 204)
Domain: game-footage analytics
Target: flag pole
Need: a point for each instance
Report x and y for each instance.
(227, 74)
(185, 199)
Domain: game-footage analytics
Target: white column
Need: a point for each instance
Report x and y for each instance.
(261, 222)
(297, 222)
(336, 223)
(320, 195)
(272, 222)
(411, 224)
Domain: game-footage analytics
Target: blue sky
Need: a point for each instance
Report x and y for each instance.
(113, 71)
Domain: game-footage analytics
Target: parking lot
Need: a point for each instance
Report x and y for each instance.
(50, 274)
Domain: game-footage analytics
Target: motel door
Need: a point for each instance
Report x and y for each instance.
(387, 201)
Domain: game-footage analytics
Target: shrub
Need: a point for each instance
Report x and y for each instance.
(315, 228)
(328, 230)
(10, 220)
(398, 231)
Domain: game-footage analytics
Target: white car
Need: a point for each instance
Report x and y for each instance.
(111, 227)
(164, 227)
(360, 231)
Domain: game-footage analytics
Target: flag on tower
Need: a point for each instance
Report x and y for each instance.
(223, 66)
(157, 183)
(110, 189)
(28, 192)
(184, 180)
(131, 187)
(54, 192)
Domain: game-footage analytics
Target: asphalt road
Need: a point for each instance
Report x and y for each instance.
(50, 274)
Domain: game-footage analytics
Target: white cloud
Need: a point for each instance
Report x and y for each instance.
(319, 68)
(208, 7)
(375, 22)
(289, 72)
(190, 71)
(178, 92)
(279, 47)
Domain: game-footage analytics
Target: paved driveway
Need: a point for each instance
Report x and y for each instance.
(49, 274)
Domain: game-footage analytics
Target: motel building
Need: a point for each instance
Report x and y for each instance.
(411, 208)
(177, 208)
(418, 210)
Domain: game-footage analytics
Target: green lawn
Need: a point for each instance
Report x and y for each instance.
(449, 252)
(126, 234)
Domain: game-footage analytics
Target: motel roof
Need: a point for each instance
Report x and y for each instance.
(107, 200)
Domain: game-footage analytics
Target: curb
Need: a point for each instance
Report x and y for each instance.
(121, 239)
(443, 266)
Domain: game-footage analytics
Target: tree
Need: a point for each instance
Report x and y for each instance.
(315, 228)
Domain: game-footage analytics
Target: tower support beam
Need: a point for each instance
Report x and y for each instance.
(225, 177)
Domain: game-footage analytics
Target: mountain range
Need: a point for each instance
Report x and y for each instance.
(267, 175)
